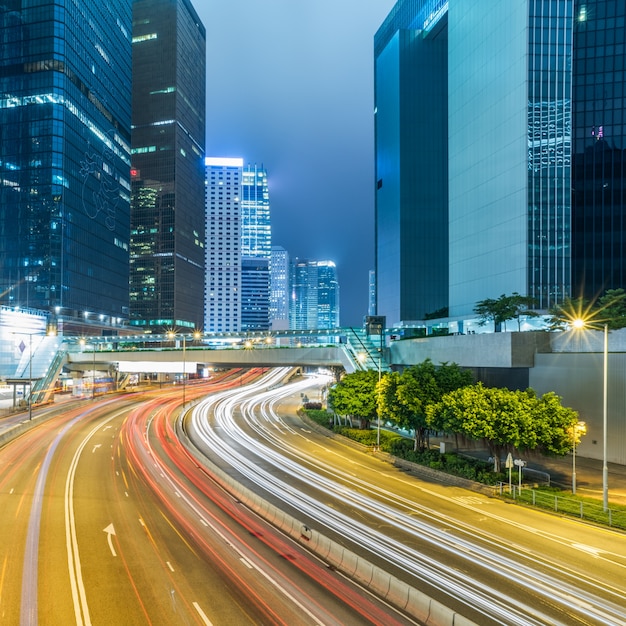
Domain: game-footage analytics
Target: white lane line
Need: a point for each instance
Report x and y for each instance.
(202, 614)
(79, 597)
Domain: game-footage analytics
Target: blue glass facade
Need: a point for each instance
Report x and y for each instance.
(168, 174)
(411, 130)
(65, 85)
(256, 230)
(599, 163)
(549, 151)
(314, 301)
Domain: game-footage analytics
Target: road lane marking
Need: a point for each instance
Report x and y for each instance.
(110, 531)
(170, 566)
(202, 614)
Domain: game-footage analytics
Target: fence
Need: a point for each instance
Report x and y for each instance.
(566, 505)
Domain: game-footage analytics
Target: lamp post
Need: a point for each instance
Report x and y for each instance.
(93, 373)
(581, 323)
(30, 377)
(577, 430)
(605, 398)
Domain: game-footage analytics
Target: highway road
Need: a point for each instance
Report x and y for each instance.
(492, 562)
(107, 519)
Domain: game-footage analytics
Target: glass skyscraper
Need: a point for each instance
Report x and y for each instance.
(599, 145)
(65, 85)
(411, 122)
(168, 174)
(314, 302)
(499, 140)
(256, 230)
(256, 249)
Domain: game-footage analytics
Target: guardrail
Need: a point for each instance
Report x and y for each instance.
(566, 505)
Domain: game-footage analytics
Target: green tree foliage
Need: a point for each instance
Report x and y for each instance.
(403, 398)
(504, 308)
(609, 309)
(505, 419)
(355, 395)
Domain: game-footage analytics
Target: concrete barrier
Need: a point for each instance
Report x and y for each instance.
(394, 591)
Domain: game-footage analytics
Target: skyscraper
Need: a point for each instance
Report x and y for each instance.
(314, 302)
(65, 81)
(411, 122)
(279, 288)
(530, 146)
(598, 147)
(256, 230)
(168, 175)
(256, 249)
(255, 288)
(223, 245)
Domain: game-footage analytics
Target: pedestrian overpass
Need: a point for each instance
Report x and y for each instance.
(186, 354)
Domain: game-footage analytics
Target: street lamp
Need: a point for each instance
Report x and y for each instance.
(581, 323)
(30, 377)
(83, 343)
(196, 335)
(578, 430)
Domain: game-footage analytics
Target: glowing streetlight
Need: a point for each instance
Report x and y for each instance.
(580, 323)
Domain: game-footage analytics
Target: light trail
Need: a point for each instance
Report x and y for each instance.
(494, 603)
(171, 483)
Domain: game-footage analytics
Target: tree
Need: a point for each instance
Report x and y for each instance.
(403, 398)
(355, 395)
(505, 419)
(505, 308)
(609, 309)
(521, 307)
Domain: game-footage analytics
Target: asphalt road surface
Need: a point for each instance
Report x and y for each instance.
(106, 519)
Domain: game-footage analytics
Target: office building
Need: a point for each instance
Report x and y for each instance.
(314, 302)
(598, 144)
(168, 173)
(279, 289)
(256, 230)
(65, 87)
(255, 287)
(256, 248)
(222, 296)
(507, 121)
(411, 121)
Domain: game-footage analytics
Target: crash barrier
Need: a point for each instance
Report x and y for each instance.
(398, 593)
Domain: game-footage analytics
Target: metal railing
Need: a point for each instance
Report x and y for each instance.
(566, 505)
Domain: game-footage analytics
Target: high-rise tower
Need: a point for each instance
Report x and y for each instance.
(168, 175)
(223, 245)
(314, 302)
(256, 249)
(65, 81)
(526, 163)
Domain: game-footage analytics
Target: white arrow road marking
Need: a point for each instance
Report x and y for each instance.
(110, 531)
(96, 447)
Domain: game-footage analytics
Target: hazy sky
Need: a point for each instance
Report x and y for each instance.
(290, 87)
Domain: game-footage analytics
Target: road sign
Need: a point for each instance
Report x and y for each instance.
(509, 461)
(520, 463)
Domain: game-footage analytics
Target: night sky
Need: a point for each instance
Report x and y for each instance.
(290, 87)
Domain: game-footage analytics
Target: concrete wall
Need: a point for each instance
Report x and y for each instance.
(568, 363)
(484, 350)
